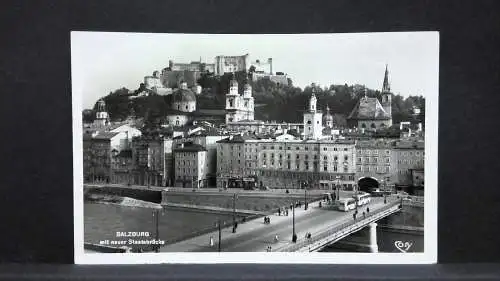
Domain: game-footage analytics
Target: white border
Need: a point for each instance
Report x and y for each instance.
(430, 212)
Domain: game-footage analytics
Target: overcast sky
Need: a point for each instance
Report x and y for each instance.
(103, 62)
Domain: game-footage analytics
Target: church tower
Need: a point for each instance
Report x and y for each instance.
(313, 119)
(386, 95)
(233, 103)
(328, 119)
(248, 102)
(102, 118)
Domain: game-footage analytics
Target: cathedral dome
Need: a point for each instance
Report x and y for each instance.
(183, 95)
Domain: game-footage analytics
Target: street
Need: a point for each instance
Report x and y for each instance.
(255, 236)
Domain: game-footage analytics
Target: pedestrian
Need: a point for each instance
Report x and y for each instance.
(367, 209)
(265, 220)
(354, 216)
(279, 212)
(235, 225)
(364, 215)
(211, 241)
(276, 238)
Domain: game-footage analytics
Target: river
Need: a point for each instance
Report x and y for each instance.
(103, 221)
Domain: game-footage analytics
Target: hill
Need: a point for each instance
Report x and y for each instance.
(284, 103)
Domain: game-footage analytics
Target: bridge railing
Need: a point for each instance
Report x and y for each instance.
(343, 229)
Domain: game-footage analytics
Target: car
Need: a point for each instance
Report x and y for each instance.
(264, 188)
(376, 192)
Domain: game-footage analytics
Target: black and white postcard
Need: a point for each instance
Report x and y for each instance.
(239, 148)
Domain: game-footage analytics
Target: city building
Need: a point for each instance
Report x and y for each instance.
(239, 107)
(208, 139)
(262, 127)
(313, 120)
(324, 164)
(122, 167)
(418, 177)
(372, 114)
(97, 155)
(152, 160)
(410, 156)
(190, 165)
(376, 165)
(237, 161)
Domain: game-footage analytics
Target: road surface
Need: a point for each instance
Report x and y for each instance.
(255, 236)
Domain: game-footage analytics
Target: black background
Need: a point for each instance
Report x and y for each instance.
(36, 184)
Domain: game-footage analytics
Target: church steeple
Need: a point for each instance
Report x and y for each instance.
(386, 88)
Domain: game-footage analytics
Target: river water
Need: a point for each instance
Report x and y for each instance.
(103, 221)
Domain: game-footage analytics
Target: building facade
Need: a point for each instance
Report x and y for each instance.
(322, 164)
(376, 164)
(228, 64)
(410, 155)
(190, 165)
(232, 168)
(152, 160)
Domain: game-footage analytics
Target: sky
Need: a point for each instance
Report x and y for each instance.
(102, 62)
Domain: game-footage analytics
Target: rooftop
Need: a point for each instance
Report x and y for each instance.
(189, 147)
(368, 109)
(105, 135)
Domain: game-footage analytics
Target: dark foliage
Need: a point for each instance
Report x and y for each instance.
(282, 103)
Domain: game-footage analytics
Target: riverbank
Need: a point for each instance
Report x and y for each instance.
(119, 200)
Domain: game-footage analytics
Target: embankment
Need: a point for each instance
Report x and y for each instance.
(118, 200)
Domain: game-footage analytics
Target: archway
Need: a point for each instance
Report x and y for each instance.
(367, 183)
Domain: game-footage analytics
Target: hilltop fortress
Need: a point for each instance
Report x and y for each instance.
(191, 72)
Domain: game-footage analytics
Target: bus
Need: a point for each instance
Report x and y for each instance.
(346, 204)
(362, 199)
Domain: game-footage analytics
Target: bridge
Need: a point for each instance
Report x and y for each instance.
(325, 224)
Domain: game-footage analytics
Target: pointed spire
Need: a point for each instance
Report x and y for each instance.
(386, 88)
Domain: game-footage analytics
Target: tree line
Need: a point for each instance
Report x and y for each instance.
(282, 103)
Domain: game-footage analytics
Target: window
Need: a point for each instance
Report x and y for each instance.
(298, 156)
(346, 158)
(335, 168)
(264, 147)
(306, 148)
(297, 148)
(325, 158)
(324, 148)
(289, 148)
(345, 169)
(345, 149)
(186, 107)
(375, 159)
(386, 160)
(280, 148)
(325, 168)
(359, 160)
(306, 156)
(288, 156)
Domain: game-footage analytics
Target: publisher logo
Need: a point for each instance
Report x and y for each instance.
(403, 246)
